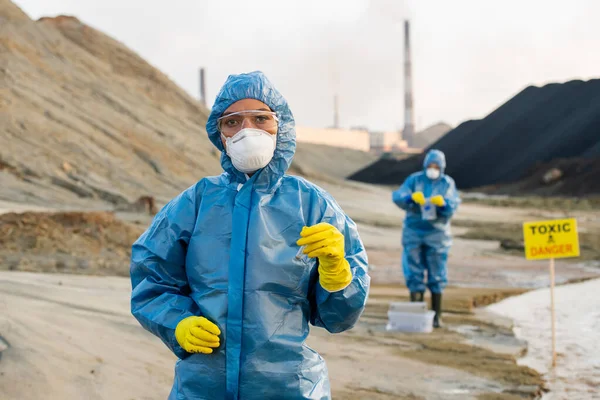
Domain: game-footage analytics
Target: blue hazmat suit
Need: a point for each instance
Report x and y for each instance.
(426, 243)
(225, 249)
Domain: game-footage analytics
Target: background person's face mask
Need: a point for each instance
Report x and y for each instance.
(250, 149)
(432, 173)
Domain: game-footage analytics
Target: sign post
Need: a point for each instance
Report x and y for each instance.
(553, 313)
(547, 240)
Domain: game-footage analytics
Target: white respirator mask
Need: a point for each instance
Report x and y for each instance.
(250, 149)
(432, 173)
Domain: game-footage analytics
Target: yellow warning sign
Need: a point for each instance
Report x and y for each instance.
(551, 239)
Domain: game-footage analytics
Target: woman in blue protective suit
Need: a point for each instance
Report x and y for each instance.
(430, 199)
(230, 272)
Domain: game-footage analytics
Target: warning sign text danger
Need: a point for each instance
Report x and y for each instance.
(551, 239)
(552, 251)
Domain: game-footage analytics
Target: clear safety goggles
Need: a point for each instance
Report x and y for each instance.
(231, 124)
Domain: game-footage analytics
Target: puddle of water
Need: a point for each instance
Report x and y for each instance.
(497, 342)
(577, 374)
(456, 391)
(3, 346)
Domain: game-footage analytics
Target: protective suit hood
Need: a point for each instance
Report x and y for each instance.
(435, 156)
(255, 85)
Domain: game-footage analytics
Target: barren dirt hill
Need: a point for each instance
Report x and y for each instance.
(85, 117)
(84, 120)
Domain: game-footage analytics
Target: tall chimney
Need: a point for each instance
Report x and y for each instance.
(409, 127)
(202, 87)
(336, 112)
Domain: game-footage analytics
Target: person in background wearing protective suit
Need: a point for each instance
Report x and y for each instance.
(430, 199)
(231, 272)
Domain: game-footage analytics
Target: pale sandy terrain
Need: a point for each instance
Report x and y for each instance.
(72, 337)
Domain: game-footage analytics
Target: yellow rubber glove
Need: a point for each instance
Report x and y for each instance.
(326, 243)
(418, 197)
(197, 335)
(438, 201)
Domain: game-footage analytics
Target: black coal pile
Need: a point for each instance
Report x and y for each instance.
(573, 177)
(516, 141)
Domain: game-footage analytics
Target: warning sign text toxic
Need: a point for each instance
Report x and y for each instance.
(551, 239)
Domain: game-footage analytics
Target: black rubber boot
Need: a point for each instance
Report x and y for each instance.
(416, 296)
(436, 305)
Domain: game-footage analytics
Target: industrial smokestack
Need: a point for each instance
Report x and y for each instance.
(409, 127)
(336, 112)
(202, 87)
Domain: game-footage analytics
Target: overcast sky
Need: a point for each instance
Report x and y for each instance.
(469, 56)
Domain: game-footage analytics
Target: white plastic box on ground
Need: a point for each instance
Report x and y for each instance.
(401, 321)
